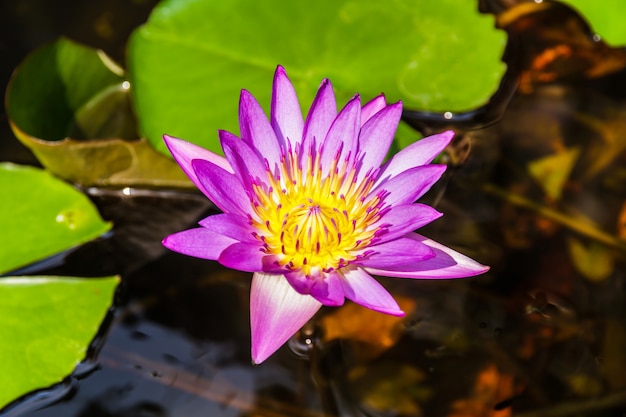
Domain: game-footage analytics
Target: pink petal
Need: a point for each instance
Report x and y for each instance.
(243, 257)
(447, 263)
(199, 242)
(230, 225)
(377, 134)
(401, 251)
(286, 116)
(326, 289)
(222, 188)
(184, 152)
(419, 153)
(321, 115)
(410, 185)
(404, 219)
(245, 160)
(256, 130)
(372, 107)
(277, 312)
(343, 134)
(361, 288)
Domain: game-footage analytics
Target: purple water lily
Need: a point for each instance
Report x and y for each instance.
(309, 209)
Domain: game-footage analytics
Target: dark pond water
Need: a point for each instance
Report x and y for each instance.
(542, 334)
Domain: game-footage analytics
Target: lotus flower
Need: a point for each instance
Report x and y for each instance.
(308, 208)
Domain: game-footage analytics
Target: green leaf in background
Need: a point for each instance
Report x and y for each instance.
(55, 83)
(41, 216)
(46, 324)
(606, 18)
(71, 106)
(190, 61)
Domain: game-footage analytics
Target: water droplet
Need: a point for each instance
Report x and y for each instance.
(307, 339)
(66, 218)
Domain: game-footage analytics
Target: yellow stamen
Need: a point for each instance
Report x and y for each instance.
(311, 221)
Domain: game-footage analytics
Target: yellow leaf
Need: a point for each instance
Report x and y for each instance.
(552, 171)
(594, 261)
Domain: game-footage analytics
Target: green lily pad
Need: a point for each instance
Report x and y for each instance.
(46, 324)
(606, 18)
(71, 106)
(189, 62)
(54, 83)
(41, 216)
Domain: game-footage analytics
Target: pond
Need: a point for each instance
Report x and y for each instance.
(535, 188)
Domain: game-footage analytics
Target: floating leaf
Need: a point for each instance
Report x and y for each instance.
(45, 327)
(54, 83)
(605, 17)
(41, 216)
(190, 61)
(71, 107)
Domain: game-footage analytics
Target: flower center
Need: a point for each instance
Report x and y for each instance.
(312, 222)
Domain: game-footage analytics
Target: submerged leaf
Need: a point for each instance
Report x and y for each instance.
(594, 261)
(374, 332)
(189, 62)
(613, 359)
(41, 216)
(552, 171)
(72, 109)
(389, 389)
(45, 327)
(490, 388)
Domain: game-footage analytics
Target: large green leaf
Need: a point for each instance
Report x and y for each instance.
(46, 324)
(189, 62)
(41, 216)
(70, 105)
(606, 17)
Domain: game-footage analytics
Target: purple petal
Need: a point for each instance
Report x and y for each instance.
(419, 153)
(277, 312)
(447, 263)
(199, 242)
(286, 116)
(326, 289)
(404, 219)
(372, 107)
(410, 185)
(377, 134)
(401, 251)
(222, 188)
(321, 115)
(184, 152)
(243, 257)
(342, 137)
(245, 160)
(361, 288)
(256, 130)
(230, 225)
